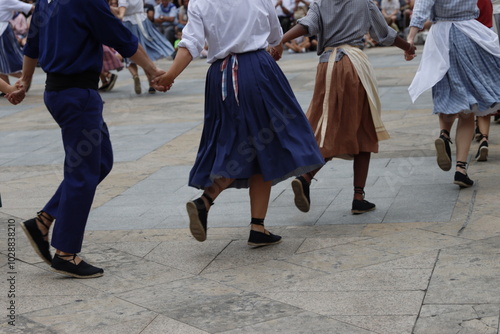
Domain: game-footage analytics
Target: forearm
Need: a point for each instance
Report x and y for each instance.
(141, 58)
(296, 31)
(121, 12)
(411, 35)
(402, 44)
(181, 61)
(29, 65)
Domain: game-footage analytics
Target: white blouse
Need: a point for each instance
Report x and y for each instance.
(135, 10)
(230, 26)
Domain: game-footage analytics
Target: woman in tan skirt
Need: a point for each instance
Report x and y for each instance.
(345, 108)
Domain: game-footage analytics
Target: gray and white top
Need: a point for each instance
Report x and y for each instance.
(337, 22)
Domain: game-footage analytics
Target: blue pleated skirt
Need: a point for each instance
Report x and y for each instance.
(11, 56)
(471, 83)
(265, 133)
(155, 44)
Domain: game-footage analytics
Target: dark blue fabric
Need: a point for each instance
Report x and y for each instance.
(67, 35)
(267, 133)
(88, 159)
(11, 57)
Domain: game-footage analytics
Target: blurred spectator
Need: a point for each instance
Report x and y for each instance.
(284, 9)
(166, 19)
(298, 45)
(391, 9)
(300, 9)
(182, 18)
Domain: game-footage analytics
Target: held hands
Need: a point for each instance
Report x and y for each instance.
(18, 95)
(410, 53)
(163, 82)
(153, 76)
(276, 51)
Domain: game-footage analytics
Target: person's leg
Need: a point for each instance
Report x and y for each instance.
(198, 209)
(483, 124)
(361, 165)
(442, 144)
(260, 192)
(465, 130)
(88, 160)
(135, 76)
(301, 190)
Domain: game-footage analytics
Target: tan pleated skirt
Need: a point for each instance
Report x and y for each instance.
(350, 129)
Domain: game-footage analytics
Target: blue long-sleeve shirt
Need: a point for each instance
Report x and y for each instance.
(66, 36)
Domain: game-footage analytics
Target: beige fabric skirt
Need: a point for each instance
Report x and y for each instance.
(350, 129)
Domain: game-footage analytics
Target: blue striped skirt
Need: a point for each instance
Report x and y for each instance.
(471, 83)
(11, 55)
(261, 129)
(156, 46)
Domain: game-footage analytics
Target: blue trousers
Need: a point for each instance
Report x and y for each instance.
(88, 160)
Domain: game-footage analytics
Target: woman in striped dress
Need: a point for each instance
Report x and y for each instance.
(461, 63)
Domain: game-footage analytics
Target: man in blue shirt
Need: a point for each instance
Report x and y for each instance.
(166, 19)
(66, 38)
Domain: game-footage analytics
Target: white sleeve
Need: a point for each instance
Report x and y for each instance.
(193, 34)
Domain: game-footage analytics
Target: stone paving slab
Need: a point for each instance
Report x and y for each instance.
(425, 261)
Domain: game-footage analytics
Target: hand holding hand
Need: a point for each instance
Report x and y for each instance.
(410, 53)
(163, 82)
(16, 96)
(152, 76)
(276, 52)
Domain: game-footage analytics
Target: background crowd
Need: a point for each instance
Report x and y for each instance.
(169, 17)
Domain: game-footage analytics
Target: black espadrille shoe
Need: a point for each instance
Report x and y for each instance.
(259, 239)
(198, 214)
(443, 150)
(482, 151)
(69, 268)
(301, 190)
(37, 238)
(462, 179)
(361, 206)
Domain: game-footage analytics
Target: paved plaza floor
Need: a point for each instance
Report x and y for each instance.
(426, 261)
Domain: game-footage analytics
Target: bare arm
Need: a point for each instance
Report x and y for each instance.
(121, 12)
(181, 61)
(141, 58)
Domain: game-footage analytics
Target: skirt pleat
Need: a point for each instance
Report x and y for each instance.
(11, 55)
(156, 46)
(265, 133)
(471, 83)
(350, 129)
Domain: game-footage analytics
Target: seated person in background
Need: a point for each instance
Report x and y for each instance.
(298, 45)
(314, 43)
(300, 9)
(178, 36)
(166, 19)
(284, 10)
(182, 16)
(391, 11)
